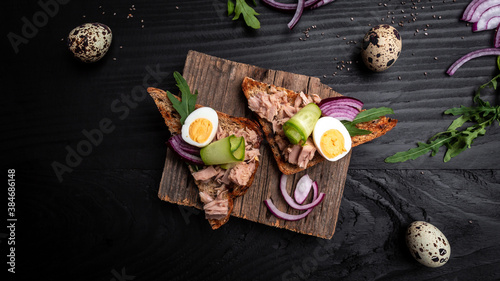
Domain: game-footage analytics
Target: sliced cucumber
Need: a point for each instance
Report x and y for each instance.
(300, 126)
(227, 150)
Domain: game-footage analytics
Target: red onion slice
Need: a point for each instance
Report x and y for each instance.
(467, 13)
(297, 15)
(340, 112)
(321, 3)
(282, 215)
(497, 37)
(292, 203)
(288, 7)
(342, 101)
(342, 108)
(178, 141)
(472, 55)
(302, 189)
(332, 108)
(174, 144)
(480, 8)
(489, 19)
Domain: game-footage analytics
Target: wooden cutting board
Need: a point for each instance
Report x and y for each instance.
(218, 82)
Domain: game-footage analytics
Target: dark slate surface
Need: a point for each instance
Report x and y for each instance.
(103, 220)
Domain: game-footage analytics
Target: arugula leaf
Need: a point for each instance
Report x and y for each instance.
(372, 114)
(354, 131)
(186, 105)
(456, 141)
(416, 152)
(230, 7)
(365, 116)
(242, 7)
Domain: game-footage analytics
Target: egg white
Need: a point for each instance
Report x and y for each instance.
(202, 112)
(327, 123)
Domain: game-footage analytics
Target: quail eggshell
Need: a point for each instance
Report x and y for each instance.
(381, 47)
(89, 42)
(427, 244)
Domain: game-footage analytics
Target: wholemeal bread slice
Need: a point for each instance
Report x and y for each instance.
(252, 87)
(228, 124)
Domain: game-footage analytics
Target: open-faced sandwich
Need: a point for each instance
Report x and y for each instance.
(222, 151)
(304, 130)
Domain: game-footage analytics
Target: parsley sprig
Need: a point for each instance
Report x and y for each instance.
(186, 105)
(481, 115)
(241, 7)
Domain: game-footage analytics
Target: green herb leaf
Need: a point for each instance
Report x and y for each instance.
(365, 116)
(372, 114)
(188, 101)
(195, 168)
(472, 112)
(249, 14)
(456, 141)
(354, 131)
(230, 7)
(457, 123)
(414, 153)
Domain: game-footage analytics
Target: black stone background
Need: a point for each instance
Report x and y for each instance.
(103, 220)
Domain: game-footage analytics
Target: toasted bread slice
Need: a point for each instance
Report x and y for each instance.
(228, 124)
(251, 87)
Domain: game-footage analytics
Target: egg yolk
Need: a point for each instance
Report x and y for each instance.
(332, 143)
(200, 129)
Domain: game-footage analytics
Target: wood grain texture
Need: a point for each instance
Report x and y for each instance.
(218, 82)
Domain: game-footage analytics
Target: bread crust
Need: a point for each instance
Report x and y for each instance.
(250, 87)
(172, 120)
(378, 127)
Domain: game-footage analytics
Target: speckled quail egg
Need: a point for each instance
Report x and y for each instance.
(89, 42)
(200, 127)
(331, 138)
(427, 244)
(381, 47)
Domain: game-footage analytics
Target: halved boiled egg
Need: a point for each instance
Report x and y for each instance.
(331, 138)
(200, 127)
